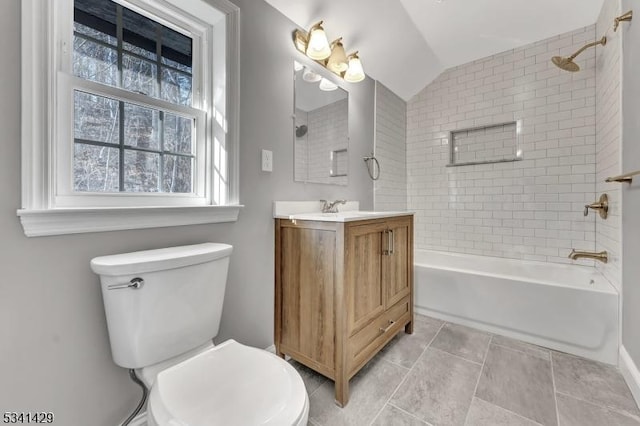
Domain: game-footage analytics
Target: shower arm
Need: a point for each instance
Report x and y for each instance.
(602, 41)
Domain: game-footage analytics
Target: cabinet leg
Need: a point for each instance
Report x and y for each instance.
(342, 391)
(409, 328)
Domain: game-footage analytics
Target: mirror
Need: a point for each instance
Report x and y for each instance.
(321, 129)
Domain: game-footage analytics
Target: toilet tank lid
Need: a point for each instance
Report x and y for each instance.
(159, 259)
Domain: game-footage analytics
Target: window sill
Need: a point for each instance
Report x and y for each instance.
(40, 223)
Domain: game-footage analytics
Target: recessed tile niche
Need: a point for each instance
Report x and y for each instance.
(496, 143)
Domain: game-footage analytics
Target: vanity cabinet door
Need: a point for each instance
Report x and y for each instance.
(365, 296)
(397, 263)
(306, 314)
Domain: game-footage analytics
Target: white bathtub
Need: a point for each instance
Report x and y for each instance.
(569, 308)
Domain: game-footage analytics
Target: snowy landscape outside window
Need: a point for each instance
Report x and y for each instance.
(126, 146)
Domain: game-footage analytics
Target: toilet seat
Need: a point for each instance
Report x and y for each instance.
(229, 384)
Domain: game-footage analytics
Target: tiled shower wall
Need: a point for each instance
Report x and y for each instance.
(390, 190)
(327, 131)
(608, 134)
(529, 209)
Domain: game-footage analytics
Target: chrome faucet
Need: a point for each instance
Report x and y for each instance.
(602, 256)
(331, 206)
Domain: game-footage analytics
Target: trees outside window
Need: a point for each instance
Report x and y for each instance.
(120, 146)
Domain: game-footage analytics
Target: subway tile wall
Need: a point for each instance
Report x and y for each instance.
(608, 139)
(328, 131)
(390, 190)
(530, 209)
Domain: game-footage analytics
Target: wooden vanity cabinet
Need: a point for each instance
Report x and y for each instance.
(343, 291)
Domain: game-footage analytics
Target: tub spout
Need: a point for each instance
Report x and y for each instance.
(602, 256)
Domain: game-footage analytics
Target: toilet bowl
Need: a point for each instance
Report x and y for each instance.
(163, 308)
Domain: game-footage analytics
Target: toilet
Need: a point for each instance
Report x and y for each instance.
(163, 308)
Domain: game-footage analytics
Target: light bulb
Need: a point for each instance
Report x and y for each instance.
(318, 47)
(355, 72)
(338, 60)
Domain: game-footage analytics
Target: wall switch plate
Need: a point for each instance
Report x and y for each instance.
(267, 161)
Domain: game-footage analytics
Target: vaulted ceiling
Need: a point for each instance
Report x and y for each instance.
(405, 44)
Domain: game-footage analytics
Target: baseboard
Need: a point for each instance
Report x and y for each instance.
(630, 373)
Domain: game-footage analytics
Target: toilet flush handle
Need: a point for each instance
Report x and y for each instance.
(135, 283)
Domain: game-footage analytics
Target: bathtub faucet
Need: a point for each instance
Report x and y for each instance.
(602, 256)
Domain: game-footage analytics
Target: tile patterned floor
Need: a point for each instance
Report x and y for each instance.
(447, 374)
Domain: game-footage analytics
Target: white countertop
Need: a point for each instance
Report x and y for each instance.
(347, 216)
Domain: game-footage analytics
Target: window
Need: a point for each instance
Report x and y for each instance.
(140, 112)
(136, 90)
(127, 147)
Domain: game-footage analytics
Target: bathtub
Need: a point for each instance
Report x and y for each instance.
(569, 308)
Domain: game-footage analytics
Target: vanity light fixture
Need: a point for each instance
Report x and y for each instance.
(355, 72)
(310, 76)
(327, 86)
(337, 62)
(332, 56)
(314, 44)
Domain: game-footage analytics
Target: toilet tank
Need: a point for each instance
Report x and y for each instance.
(177, 308)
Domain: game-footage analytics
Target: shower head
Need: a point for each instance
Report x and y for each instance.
(301, 130)
(567, 64)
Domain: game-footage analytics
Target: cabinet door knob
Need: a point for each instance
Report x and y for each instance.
(387, 328)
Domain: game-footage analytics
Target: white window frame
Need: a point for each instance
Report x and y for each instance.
(49, 206)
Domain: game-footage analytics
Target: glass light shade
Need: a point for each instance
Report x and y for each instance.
(318, 47)
(327, 86)
(355, 72)
(297, 66)
(310, 76)
(338, 59)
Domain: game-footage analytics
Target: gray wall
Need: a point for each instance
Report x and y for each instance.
(54, 350)
(631, 195)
